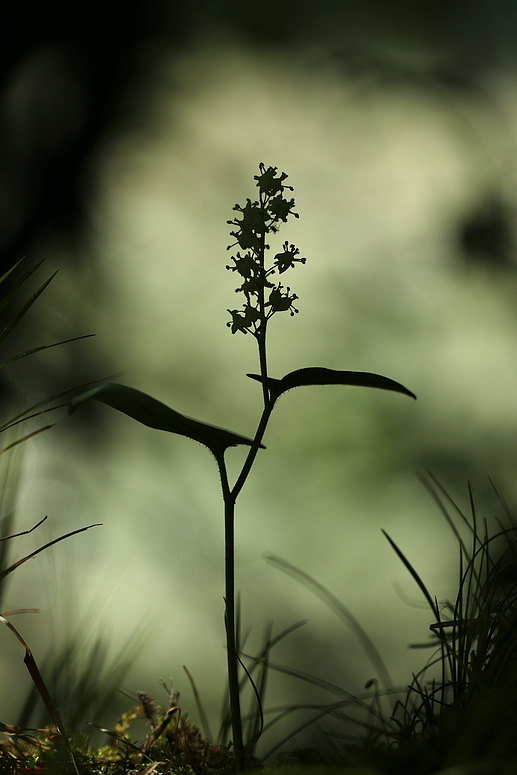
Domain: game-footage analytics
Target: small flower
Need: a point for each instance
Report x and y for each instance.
(240, 322)
(280, 208)
(251, 227)
(254, 285)
(281, 302)
(254, 218)
(286, 260)
(245, 240)
(245, 265)
(267, 183)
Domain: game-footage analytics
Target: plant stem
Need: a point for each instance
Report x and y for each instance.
(261, 333)
(233, 677)
(229, 592)
(239, 484)
(230, 497)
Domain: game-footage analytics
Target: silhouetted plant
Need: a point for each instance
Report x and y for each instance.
(264, 297)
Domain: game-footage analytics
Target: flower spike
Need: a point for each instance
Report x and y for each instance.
(258, 219)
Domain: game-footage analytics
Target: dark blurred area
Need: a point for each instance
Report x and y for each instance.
(64, 69)
(71, 72)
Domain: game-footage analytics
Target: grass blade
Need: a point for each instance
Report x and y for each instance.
(433, 606)
(42, 347)
(35, 674)
(26, 414)
(16, 287)
(344, 614)
(202, 715)
(42, 548)
(28, 304)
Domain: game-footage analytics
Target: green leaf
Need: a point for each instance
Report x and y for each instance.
(153, 413)
(320, 376)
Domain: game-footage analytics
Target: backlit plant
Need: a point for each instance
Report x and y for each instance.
(264, 296)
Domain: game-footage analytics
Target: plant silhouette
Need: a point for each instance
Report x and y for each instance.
(264, 297)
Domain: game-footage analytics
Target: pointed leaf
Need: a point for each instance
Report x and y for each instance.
(16, 287)
(52, 708)
(28, 304)
(25, 438)
(9, 271)
(337, 606)
(17, 564)
(26, 414)
(153, 413)
(42, 347)
(320, 376)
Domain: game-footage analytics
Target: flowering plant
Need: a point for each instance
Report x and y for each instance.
(263, 298)
(259, 219)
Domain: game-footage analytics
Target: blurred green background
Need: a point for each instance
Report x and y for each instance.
(128, 134)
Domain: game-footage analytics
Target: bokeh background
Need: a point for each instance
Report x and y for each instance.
(127, 134)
